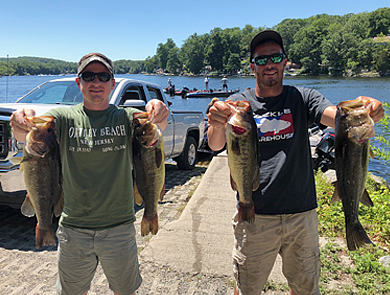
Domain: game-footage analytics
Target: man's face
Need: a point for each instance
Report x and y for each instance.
(270, 74)
(95, 93)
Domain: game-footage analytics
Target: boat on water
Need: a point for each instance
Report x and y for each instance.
(211, 93)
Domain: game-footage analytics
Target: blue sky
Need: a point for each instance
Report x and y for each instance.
(130, 29)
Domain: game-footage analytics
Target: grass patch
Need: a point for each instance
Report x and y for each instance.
(366, 274)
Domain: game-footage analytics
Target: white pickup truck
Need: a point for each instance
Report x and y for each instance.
(183, 136)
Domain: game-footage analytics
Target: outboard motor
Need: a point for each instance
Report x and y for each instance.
(325, 152)
(184, 92)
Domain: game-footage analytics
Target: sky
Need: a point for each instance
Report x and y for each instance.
(67, 30)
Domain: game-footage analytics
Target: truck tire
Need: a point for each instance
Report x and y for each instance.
(188, 157)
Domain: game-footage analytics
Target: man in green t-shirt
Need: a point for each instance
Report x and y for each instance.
(97, 223)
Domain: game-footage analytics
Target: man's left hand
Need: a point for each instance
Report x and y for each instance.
(377, 111)
(161, 112)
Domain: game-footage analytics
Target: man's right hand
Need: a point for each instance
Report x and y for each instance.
(19, 124)
(218, 116)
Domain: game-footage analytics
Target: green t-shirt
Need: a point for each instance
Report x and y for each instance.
(96, 156)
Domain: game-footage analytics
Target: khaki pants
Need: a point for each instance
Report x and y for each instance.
(293, 236)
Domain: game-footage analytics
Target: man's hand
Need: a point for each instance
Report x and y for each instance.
(19, 124)
(161, 112)
(377, 111)
(218, 116)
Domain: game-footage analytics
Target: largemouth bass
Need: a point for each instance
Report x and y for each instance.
(149, 169)
(243, 157)
(41, 167)
(354, 127)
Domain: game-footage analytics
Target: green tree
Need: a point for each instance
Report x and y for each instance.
(379, 22)
(174, 64)
(333, 50)
(287, 29)
(163, 52)
(247, 34)
(381, 58)
(216, 50)
(307, 44)
(5, 70)
(234, 63)
(151, 64)
(192, 54)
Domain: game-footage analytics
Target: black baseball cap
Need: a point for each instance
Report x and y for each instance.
(263, 36)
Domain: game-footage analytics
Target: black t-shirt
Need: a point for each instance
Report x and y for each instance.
(286, 174)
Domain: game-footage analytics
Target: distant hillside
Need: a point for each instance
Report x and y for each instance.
(37, 60)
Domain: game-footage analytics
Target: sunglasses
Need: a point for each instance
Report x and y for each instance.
(263, 59)
(90, 76)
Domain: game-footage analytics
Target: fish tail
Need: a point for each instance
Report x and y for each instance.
(149, 224)
(44, 237)
(356, 236)
(246, 212)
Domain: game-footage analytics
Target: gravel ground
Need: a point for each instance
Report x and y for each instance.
(25, 270)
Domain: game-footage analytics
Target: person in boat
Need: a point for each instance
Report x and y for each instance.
(224, 83)
(206, 82)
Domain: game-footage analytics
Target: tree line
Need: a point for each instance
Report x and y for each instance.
(321, 44)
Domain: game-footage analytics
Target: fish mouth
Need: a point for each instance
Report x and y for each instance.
(357, 114)
(361, 105)
(239, 126)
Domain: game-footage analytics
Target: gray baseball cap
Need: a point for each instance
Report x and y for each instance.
(95, 57)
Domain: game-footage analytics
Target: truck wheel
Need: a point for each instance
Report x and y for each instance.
(188, 157)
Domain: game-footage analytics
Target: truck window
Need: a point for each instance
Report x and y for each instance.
(155, 93)
(65, 92)
(133, 93)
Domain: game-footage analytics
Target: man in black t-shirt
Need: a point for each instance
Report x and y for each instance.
(285, 203)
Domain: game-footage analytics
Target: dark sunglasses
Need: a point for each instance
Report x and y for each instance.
(90, 76)
(263, 59)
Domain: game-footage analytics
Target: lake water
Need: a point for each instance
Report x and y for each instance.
(335, 89)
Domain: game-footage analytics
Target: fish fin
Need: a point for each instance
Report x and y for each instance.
(246, 212)
(149, 224)
(336, 196)
(27, 208)
(159, 157)
(256, 180)
(44, 237)
(162, 194)
(16, 160)
(21, 168)
(233, 183)
(25, 158)
(137, 196)
(356, 236)
(366, 200)
(59, 207)
(371, 153)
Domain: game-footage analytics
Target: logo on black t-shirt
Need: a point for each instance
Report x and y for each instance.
(273, 126)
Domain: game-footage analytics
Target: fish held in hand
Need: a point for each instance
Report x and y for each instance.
(354, 127)
(243, 157)
(149, 169)
(41, 168)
